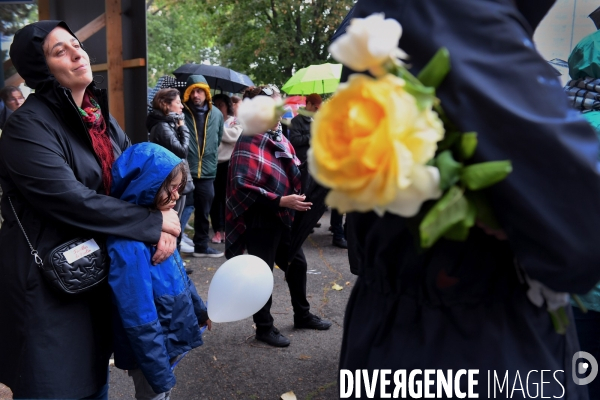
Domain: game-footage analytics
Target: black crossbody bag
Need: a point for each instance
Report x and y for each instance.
(73, 267)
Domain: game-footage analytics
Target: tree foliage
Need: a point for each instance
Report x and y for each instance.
(266, 39)
(269, 40)
(179, 31)
(15, 16)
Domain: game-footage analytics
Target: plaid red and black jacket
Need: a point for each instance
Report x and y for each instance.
(259, 166)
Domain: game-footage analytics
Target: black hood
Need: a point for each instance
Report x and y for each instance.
(28, 57)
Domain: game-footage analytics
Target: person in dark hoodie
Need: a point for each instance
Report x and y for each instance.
(205, 123)
(56, 154)
(158, 310)
(465, 305)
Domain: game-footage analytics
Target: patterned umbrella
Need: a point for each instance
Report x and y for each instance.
(165, 81)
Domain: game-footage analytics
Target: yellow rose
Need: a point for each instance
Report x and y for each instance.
(370, 143)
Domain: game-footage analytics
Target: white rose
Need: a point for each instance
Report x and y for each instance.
(425, 185)
(368, 43)
(258, 115)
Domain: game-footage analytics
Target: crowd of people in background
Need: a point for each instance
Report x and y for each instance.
(248, 209)
(201, 127)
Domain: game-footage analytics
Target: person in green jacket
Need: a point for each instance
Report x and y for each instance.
(205, 124)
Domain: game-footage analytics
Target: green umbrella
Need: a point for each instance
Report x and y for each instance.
(321, 79)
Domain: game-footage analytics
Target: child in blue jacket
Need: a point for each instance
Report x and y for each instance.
(158, 311)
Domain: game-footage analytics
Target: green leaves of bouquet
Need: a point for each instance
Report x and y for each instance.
(461, 180)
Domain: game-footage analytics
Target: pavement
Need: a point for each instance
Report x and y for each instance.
(232, 364)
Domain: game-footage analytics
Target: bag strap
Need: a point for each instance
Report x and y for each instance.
(34, 253)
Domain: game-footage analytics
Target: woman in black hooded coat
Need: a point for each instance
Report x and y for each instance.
(54, 345)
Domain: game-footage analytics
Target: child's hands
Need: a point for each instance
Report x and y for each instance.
(208, 324)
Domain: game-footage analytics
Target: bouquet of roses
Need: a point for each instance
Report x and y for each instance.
(383, 144)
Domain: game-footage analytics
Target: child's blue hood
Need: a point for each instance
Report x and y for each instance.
(140, 171)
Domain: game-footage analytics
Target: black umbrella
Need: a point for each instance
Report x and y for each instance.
(217, 77)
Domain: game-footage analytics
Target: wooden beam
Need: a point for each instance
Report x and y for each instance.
(133, 63)
(91, 28)
(114, 46)
(82, 34)
(43, 10)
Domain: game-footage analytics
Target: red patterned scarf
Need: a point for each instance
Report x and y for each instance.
(92, 116)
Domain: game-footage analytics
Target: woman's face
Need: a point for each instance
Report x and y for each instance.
(175, 106)
(15, 100)
(67, 61)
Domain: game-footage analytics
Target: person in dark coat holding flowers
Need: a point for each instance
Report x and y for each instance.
(470, 305)
(56, 154)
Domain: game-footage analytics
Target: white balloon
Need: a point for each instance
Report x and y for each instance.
(239, 288)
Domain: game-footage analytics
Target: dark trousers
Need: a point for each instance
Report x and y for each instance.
(336, 224)
(271, 245)
(217, 210)
(204, 192)
(588, 332)
(179, 206)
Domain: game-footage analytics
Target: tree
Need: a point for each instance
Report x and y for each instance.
(179, 31)
(269, 40)
(15, 16)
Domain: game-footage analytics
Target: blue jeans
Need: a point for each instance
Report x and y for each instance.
(185, 216)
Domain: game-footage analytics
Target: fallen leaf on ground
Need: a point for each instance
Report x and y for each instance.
(304, 357)
(210, 269)
(288, 396)
(336, 287)
(347, 283)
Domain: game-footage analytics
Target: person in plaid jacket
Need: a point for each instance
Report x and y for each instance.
(263, 192)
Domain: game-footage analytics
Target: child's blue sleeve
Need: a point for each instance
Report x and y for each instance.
(131, 283)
